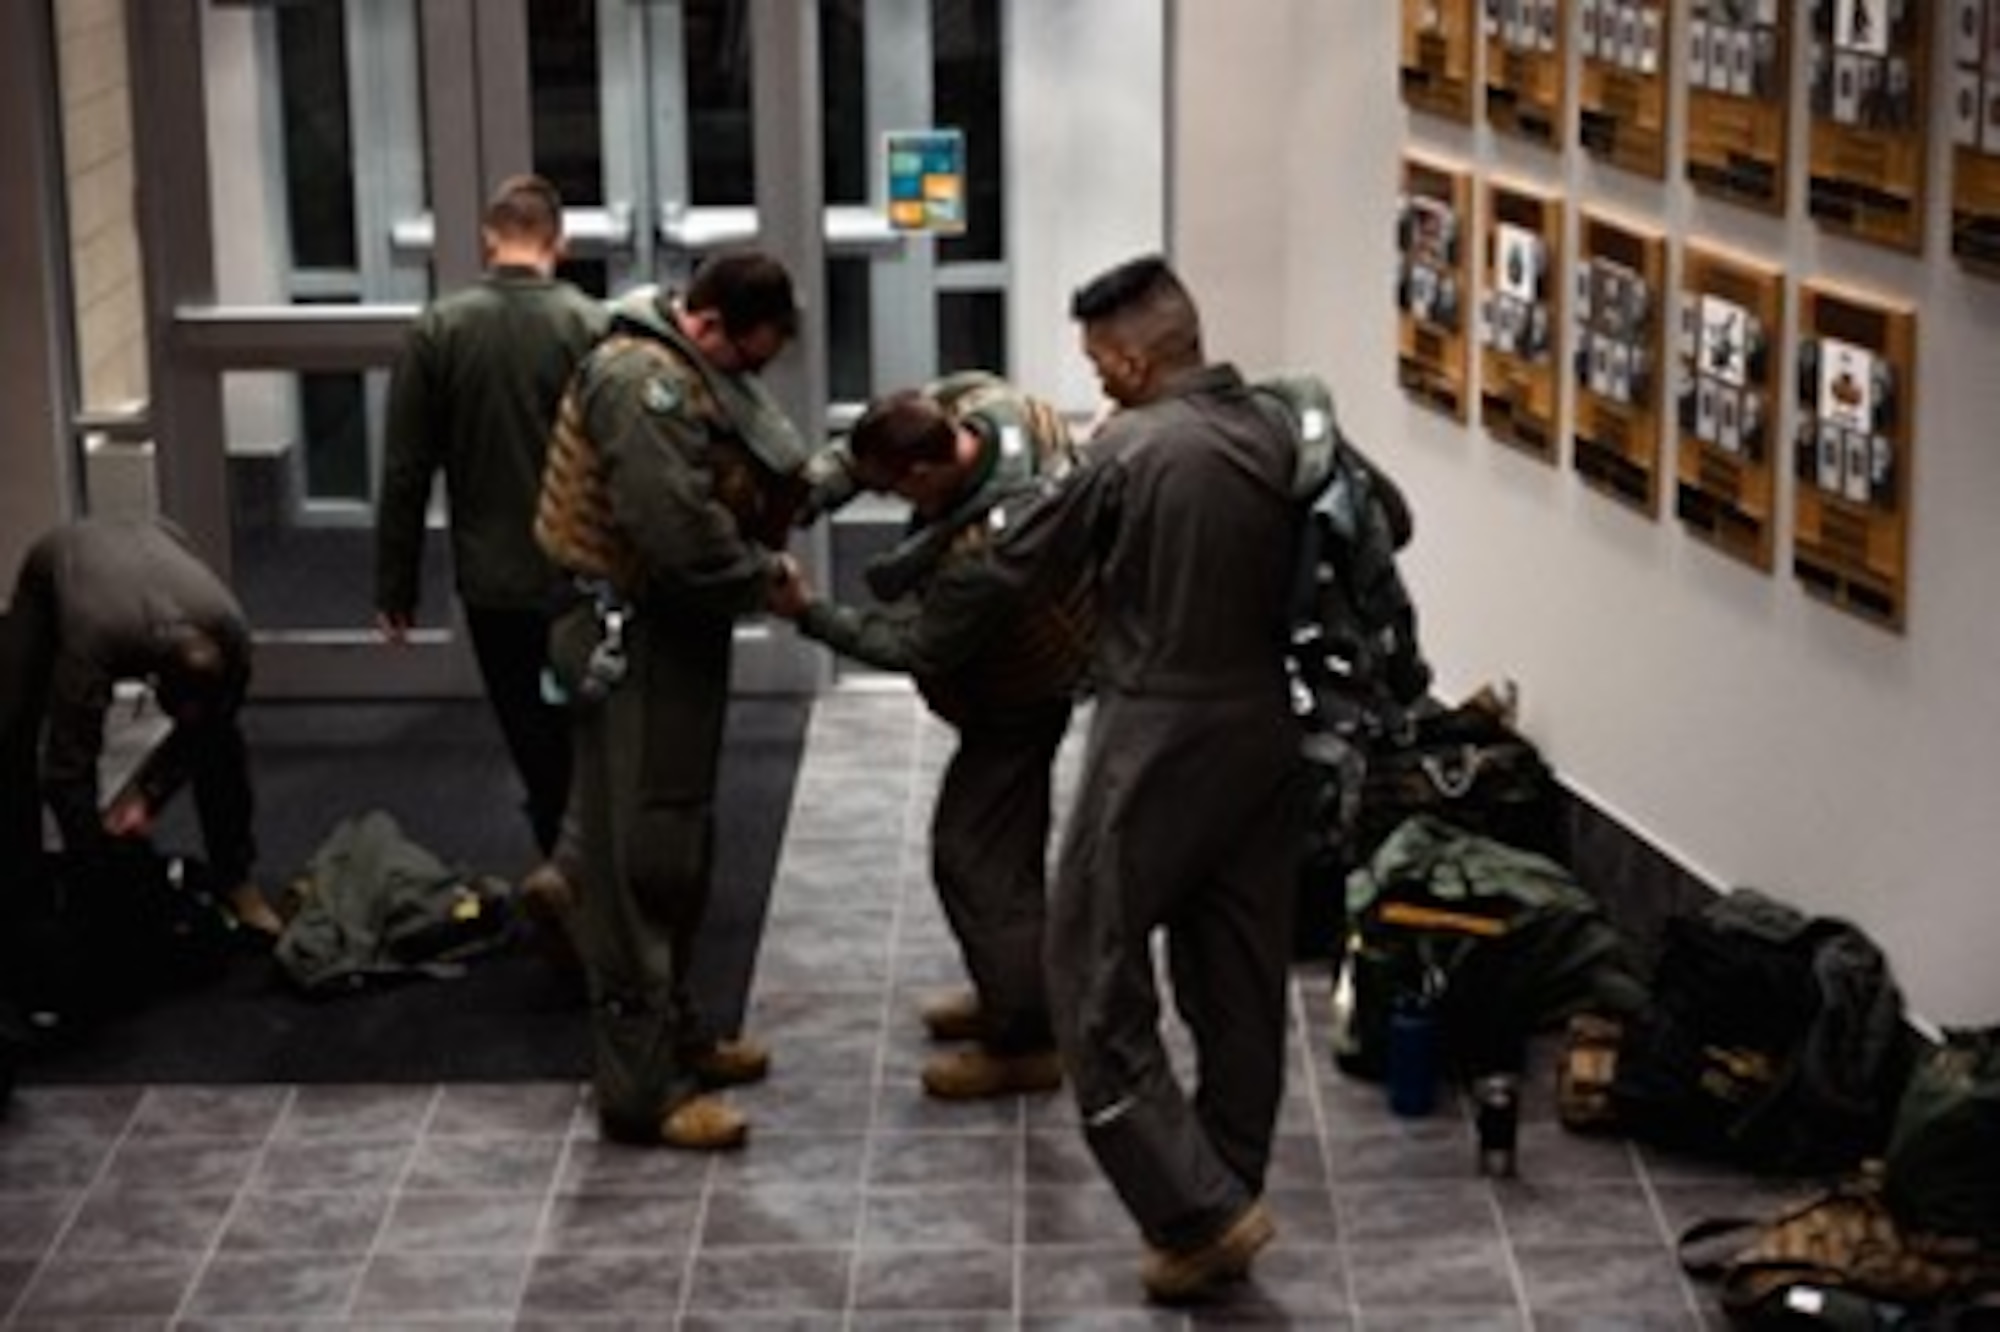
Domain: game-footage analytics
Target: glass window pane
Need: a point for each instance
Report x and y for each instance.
(568, 112)
(319, 151)
(720, 156)
(333, 411)
(844, 87)
(849, 302)
(316, 148)
(972, 331)
(305, 563)
(593, 275)
(966, 46)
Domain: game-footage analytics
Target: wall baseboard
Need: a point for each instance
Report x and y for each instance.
(1640, 885)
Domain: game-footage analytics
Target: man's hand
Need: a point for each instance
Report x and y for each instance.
(394, 626)
(791, 591)
(253, 911)
(130, 816)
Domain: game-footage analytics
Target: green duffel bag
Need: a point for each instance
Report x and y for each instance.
(1942, 1170)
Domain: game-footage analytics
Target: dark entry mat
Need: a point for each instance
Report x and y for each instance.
(441, 770)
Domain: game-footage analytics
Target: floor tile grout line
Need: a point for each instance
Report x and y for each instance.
(396, 1187)
(690, 1263)
(55, 1243)
(1665, 1231)
(539, 1238)
(1316, 1099)
(885, 1015)
(288, 1096)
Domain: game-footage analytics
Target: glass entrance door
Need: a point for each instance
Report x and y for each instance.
(322, 178)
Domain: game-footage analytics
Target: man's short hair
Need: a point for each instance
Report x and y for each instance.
(1145, 305)
(748, 289)
(901, 430)
(526, 207)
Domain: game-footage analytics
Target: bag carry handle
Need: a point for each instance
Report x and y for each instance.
(1708, 1247)
(1453, 778)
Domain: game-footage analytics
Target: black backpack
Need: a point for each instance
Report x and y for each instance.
(1772, 1039)
(1353, 656)
(105, 931)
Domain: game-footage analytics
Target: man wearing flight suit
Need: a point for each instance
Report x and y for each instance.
(670, 487)
(101, 601)
(1001, 671)
(474, 395)
(1189, 812)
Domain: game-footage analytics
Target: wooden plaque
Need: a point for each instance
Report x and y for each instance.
(1626, 47)
(1520, 358)
(1974, 93)
(1736, 55)
(1868, 80)
(1616, 299)
(1852, 452)
(1526, 57)
(1439, 50)
(1433, 287)
(1728, 326)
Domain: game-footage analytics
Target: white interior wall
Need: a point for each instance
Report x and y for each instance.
(1754, 734)
(1085, 98)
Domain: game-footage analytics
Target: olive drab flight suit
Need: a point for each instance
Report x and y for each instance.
(1003, 672)
(473, 395)
(1189, 809)
(664, 473)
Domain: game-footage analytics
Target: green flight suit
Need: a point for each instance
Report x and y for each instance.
(689, 461)
(1002, 670)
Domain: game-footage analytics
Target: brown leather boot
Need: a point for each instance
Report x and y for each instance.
(1173, 1276)
(730, 1063)
(953, 1017)
(548, 900)
(976, 1074)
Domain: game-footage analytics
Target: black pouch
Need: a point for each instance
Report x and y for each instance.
(587, 651)
(1468, 767)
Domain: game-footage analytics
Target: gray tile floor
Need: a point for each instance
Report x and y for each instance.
(858, 1205)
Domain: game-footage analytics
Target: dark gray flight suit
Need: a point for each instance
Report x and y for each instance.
(1189, 812)
(1003, 672)
(99, 601)
(684, 467)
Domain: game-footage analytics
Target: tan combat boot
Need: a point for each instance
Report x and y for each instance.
(976, 1074)
(704, 1124)
(730, 1063)
(1174, 1276)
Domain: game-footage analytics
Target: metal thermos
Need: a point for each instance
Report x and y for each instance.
(1497, 1117)
(1412, 1056)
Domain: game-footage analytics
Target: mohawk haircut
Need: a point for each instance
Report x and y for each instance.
(1143, 303)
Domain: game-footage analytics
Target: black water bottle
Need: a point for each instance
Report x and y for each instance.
(1497, 1118)
(1412, 1055)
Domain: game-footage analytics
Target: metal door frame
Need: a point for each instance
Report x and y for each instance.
(477, 128)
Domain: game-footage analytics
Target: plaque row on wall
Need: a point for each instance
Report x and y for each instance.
(1868, 75)
(1569, 342)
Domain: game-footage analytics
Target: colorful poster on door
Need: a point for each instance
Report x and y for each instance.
(926, 177)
